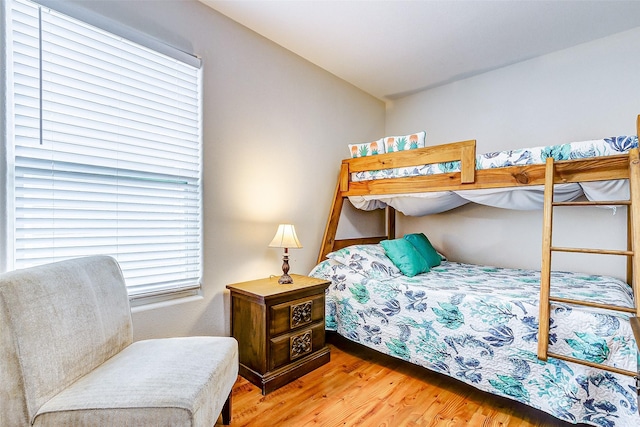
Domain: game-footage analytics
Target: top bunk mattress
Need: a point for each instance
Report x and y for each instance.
(519, 198)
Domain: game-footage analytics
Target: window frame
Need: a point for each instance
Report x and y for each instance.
(7, 154)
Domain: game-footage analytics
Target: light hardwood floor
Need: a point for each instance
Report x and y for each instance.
(360, 387)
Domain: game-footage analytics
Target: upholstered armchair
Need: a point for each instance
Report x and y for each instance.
(67, 356)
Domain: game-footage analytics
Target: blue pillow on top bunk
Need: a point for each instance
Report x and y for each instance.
(405, 256)
(425, 248)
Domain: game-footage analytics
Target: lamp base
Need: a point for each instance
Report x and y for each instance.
(285, 279)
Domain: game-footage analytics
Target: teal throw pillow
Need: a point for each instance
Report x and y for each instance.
(424, 247)
(405, 257)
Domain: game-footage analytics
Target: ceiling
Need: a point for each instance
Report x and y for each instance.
(394, 48)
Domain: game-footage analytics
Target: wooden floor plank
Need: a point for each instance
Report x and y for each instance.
(361, 387)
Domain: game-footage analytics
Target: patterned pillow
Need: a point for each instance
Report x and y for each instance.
(405, 142)
(367, 148)
(368, 260)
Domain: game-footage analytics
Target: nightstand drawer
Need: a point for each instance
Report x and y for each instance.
(296, 314)
(290, 347)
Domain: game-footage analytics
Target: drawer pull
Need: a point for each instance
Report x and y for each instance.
(300, 344)
(301, 313)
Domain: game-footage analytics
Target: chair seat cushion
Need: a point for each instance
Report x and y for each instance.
(163, 382)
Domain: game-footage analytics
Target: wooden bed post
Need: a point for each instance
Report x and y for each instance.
(332, 224)
(634, 195)
(635, 241)
(630, 221)
(545, 274)
(634, 190)
(391, 223)
(630, 261)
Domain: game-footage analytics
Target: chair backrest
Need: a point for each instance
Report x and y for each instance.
(57, 323)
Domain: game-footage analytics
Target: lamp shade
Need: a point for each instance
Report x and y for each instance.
(285, 237)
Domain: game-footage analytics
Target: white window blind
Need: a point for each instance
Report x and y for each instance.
(107, 152)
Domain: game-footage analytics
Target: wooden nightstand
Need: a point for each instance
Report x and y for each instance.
(279, 328)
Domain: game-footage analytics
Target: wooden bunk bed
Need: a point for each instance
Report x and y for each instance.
(616, 167)
(579, 170)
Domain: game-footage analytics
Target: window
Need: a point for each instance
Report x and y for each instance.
(107, 153)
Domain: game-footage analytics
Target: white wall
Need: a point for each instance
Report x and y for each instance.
(586, 92)
(275, 130)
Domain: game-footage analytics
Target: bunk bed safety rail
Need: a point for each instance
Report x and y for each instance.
(587, 169)
(463, 151)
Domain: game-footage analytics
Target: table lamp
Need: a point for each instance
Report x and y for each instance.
(285, 238)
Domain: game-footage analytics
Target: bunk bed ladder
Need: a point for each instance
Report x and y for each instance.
(633, 261)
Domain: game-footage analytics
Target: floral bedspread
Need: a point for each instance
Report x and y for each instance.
(524, 156)
(478, 324)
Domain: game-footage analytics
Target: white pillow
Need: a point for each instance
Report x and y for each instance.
(369, 260)
(367, 148)
(405, 142)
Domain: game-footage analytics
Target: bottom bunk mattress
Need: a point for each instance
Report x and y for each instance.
(479, 324)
